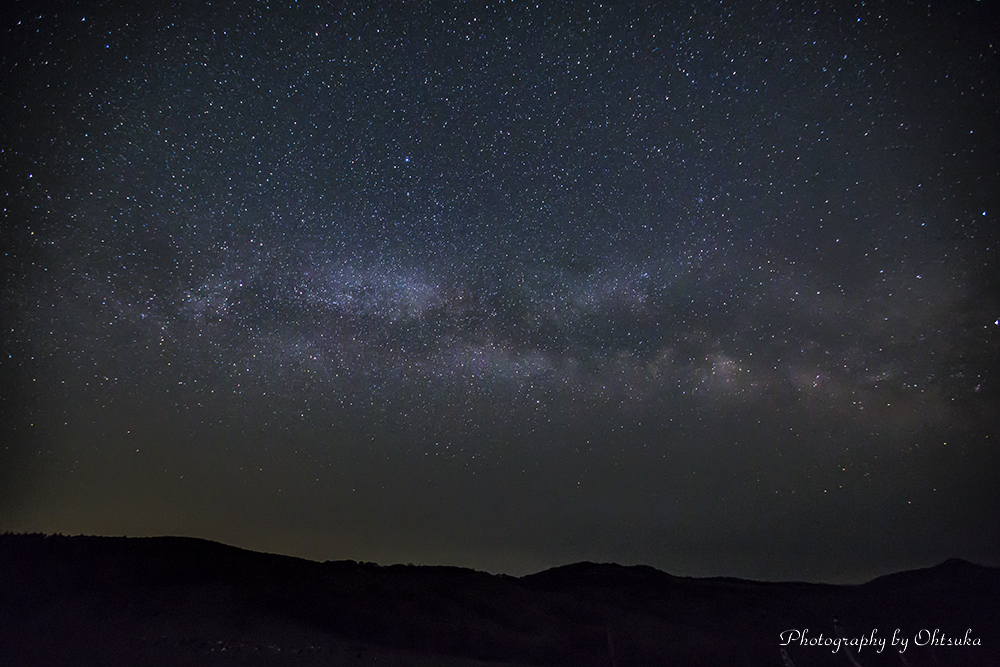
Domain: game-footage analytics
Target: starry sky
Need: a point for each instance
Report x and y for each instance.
(708, 286)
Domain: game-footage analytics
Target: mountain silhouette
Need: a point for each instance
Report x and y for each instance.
(184, 601)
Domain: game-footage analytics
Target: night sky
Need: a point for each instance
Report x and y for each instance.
(708, 286)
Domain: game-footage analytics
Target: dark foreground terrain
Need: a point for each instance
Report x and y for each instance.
(179, 601)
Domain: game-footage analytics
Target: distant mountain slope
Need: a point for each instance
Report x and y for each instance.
(182, 601)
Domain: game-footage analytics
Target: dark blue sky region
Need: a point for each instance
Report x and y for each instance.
(707, 286)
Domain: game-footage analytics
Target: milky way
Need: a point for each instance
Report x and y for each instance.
(712, 288)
